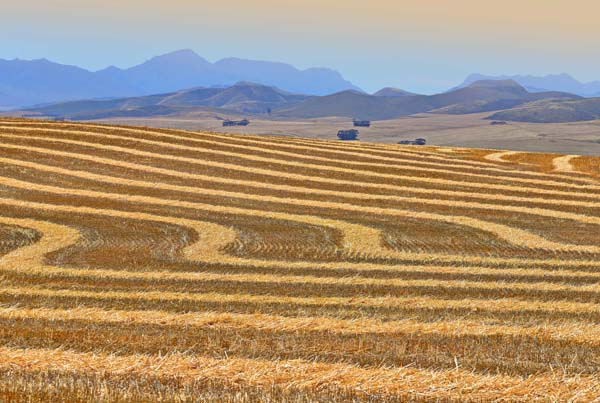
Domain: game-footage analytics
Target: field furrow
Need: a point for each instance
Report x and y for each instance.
(304, 188)
(365, 151)
(142, 264)
(356, 237)
(358, 241)
(337, 156)
(435, 176)
(466, 386)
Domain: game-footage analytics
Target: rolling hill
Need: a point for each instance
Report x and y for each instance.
(240, 98)
(145, 265)
(249, 98)
(553, 82)
(490, 95)
(553, 111)
(481, 96)
(355, 104)
(392, 92)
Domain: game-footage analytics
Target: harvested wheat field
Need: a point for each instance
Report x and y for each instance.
(144, 265)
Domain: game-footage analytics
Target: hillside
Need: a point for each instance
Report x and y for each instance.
(392, 92)
(143, 265)
(553, 111)
(489, 95)
(33, 82)
(552, 82)
(354, 104)
(481, 96)
(251, 98)
(240, 98)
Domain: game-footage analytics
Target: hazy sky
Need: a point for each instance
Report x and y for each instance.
(418, 45)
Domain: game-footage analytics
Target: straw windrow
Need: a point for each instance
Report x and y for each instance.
(146, 264)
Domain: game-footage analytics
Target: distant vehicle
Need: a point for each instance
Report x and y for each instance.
(244, 122)
(348, 134)
(416, 142)
(498, 122)
(362, 123)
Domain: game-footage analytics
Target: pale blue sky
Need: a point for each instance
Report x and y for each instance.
(408, 44)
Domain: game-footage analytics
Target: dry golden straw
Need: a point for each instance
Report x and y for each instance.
(165, 265)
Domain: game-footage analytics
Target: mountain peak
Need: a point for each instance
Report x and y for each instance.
(392, 92)
(110, 69)
(495, 84)
(562, 82)
(182, 53)
(183, 56)
(351, 92)
(27, 83)
(250, 84)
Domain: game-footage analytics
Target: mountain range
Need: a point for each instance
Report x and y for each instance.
(554, 82)
(26, 83)
(241, 98)
(480, 96)
(247, 98)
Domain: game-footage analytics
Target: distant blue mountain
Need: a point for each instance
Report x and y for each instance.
(41, 81)
(554, 82)
(26, 83)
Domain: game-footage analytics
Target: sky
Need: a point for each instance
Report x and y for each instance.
(422, 46)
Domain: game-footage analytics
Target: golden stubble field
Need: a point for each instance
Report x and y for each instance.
(146, 265)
